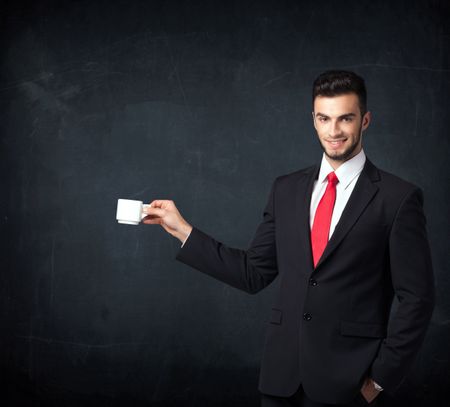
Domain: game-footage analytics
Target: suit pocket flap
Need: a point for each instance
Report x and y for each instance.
(363, 330)
(275, 316)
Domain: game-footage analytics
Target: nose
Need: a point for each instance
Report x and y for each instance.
(334, 129)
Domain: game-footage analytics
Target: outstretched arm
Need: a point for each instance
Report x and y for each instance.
(250, 270)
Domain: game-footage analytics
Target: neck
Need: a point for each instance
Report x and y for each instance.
(334, 163)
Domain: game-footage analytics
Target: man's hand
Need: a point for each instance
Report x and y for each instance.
(165, 213)
(368, 390)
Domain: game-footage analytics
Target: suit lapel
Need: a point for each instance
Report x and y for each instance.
(364, 191)
(304, 189)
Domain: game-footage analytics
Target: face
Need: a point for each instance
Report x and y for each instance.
(339, 126)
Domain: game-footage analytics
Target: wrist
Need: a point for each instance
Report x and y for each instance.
(184, 232)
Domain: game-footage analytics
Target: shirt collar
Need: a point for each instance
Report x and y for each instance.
(346, 172)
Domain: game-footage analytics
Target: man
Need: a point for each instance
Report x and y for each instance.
(343, 237)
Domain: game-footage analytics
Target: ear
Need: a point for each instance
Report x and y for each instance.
(314, 120)
(366, 120)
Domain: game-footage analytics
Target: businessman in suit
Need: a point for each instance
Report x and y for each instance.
(344, 238)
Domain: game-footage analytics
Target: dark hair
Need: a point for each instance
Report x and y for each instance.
(335, 83)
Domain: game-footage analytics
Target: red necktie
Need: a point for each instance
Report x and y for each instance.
(322, 219)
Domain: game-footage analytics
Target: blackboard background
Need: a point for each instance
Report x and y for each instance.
(203, 103)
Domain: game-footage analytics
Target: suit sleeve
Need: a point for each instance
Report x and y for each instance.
(250, 270)
(413, 283)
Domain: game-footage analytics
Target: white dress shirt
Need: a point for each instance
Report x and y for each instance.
(347, 174)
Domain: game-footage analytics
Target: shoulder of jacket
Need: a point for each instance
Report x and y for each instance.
(396, 183)
(388, 181)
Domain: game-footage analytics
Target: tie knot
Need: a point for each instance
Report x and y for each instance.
(332, 178)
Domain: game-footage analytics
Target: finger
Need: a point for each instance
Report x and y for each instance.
(151, 221)
(161, 203)
(155, 211)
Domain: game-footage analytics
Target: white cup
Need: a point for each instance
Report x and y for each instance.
(130, 212)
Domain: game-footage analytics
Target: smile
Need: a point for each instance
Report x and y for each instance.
(336, 143)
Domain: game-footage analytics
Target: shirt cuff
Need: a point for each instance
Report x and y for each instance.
(377, 386)
(187, 237)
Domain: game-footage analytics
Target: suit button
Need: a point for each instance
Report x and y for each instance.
(312, 282)
(307, 317)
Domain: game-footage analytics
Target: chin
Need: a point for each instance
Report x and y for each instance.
(336, 155)
(340, 155)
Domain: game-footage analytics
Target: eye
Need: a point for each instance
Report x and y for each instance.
(323, 119)
(347, 119)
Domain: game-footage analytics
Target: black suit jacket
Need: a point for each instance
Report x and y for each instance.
(330, 327)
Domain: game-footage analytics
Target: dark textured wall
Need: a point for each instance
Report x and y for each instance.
(203, 103)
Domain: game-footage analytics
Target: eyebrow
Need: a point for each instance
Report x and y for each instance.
(343, 116)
